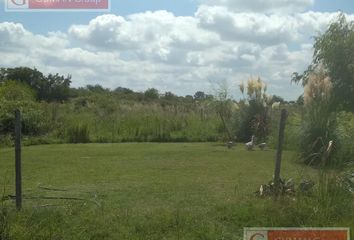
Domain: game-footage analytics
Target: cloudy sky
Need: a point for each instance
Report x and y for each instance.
(180, 46)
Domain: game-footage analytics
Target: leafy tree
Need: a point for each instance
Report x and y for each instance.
(332, 68)
(300, 100)
(122, 90)
(34, 78)
(170, 96)
(199, 95)
(127, 94)
(254, 116)
(97, 88)
(225, 107)
(15, 95)
(209, 97)
(319, 127)
(58, 88)
(188, 98)
(276, 98)
(47, 88)
(333, 50)
(15, 91)
(151, 94)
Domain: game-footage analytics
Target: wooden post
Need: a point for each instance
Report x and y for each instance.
(18, 159)
(283, 118)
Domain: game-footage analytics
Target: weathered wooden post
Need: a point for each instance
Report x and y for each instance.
(283, 118)
(18, 159)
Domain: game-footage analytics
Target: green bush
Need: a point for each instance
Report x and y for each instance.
(320, 123)
(345, 132)
(253, 120)
(6, 140)
(14, 96)
(318, 130)
(78, 133)
(254, 117)
(4, 223)
(292, 129)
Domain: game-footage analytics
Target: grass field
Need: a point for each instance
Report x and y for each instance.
(152, 191)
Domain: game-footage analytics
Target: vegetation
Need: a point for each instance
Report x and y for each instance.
(333, 51)
(329, 84)
(177, 191)
(254, 116)
(160, 191)
(95, 114)
(61, 114)
(320, 123)
(13, 96)
(48, 88)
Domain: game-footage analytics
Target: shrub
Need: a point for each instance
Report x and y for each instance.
(79, 133)
(345, 133)
(254, 116)
(6, 140)
(319, 127)
(4, 223)
(14, 96)
(292, 129)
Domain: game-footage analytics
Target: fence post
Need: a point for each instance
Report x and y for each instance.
(283, 118)
(18, 159)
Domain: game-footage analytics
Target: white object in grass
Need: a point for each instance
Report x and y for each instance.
(250, 145)
(262, 146)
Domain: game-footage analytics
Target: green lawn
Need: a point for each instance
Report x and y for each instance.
(149, 191)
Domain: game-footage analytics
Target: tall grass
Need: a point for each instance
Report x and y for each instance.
(328, 206)
(78, 133)
(319, 125)
(136, 122)
(345, 132)
(292, 129)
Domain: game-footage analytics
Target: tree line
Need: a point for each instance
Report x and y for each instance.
(57, 88)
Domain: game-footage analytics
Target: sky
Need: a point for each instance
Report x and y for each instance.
(179, 46)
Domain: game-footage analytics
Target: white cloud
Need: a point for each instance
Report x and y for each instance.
(14, 37)
(267, 6)
(151, 35)
(172, 53)
(262, 28)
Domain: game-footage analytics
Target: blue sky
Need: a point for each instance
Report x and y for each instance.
(42, 22)
(180, 46)
(45, 22)
(346, 6)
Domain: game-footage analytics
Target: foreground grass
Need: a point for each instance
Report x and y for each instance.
(155, 191)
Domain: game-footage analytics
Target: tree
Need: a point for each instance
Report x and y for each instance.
(199, 95)
(122, 90)
(319, 126)
(225, 107)
(209, 97)
(169, 96)
(15, 95)
(189, 98)
(48, 88)
(97, 88)
(151, 94)
(15, 91)
(300, 100)
(57, 88)
(254, 118)
(279, 99)
(34, 78)
(333, 50)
